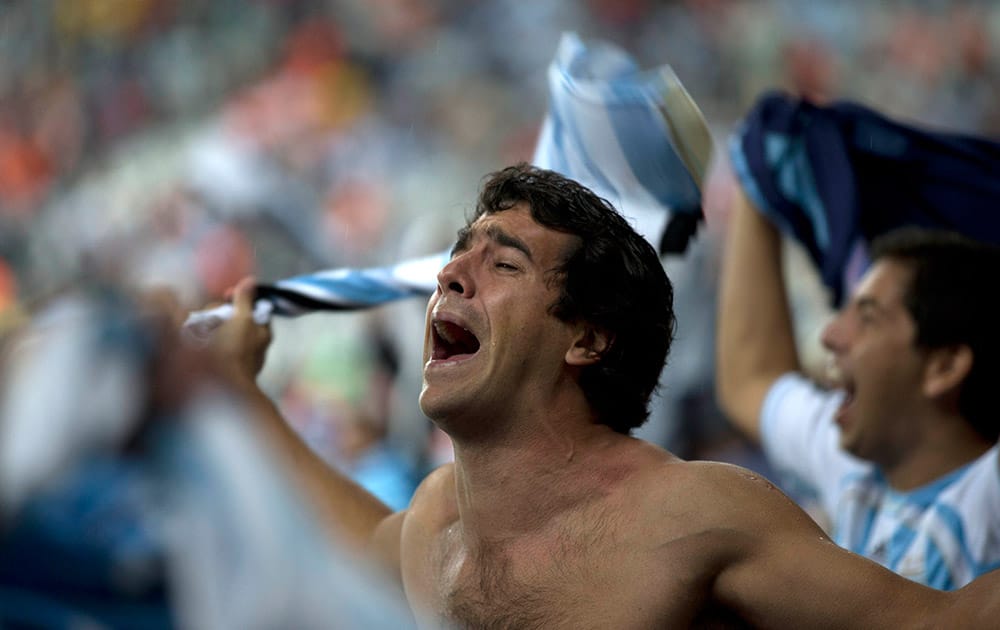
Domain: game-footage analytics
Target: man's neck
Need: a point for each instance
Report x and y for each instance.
(515, 487)
(948, 444)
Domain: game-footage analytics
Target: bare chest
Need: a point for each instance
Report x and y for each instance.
(518, 584)
(570, 579)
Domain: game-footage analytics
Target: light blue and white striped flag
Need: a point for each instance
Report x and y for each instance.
(342, 289)
(634, 137)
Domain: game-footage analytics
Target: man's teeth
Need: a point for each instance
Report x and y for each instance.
(455, 339)
(833, 374)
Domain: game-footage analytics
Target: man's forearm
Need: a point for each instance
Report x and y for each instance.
(755, 342)
(349, 512)
(975, 605)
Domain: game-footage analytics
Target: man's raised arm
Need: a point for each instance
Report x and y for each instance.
(755, 342)
(350, 513)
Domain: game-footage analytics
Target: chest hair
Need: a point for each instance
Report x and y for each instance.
(525, 584)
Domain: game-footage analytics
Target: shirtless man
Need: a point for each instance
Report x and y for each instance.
(543, 343)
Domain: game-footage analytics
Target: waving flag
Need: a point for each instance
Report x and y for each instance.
(634, 137)
(342, 289)
(836, 176)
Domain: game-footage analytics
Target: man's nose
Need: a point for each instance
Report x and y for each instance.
(454, 277)
(834, 335)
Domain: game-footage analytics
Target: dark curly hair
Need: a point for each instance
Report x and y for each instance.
(613, 280)
(952, 306)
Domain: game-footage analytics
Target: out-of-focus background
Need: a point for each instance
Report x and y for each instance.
(188, 143)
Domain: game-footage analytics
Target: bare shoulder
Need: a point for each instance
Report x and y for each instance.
(433, 503)
(727, 481)
(741, 487)
(717, 496)
(430, 508)
(436, 486)
(661, 469)
(760, 556)
(729, 490)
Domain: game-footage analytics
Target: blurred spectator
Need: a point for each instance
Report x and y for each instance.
(136, 492)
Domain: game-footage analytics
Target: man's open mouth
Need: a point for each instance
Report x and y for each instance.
(451, 340)
(847, 387)
(848, 395)
(836, 378)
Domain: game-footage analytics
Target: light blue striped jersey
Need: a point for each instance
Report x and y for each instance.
(943, 534)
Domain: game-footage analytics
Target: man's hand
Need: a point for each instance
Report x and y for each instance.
(240, 344)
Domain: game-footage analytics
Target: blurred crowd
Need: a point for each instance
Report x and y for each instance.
(188, 143)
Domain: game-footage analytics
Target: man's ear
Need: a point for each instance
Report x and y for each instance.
(589, 346)
(946, 368)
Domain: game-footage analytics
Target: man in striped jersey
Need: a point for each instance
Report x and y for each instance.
(902, 453)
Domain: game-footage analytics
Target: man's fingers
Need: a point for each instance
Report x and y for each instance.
(243, 296)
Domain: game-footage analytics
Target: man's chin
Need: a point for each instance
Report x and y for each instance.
(437, 407)
(850, 445)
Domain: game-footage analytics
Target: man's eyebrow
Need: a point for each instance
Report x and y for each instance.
(868, 303)
(508, 240)
(494, 233)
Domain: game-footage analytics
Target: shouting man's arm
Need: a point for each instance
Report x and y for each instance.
(755, 341)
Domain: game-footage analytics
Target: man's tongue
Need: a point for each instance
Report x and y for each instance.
(453, 340)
